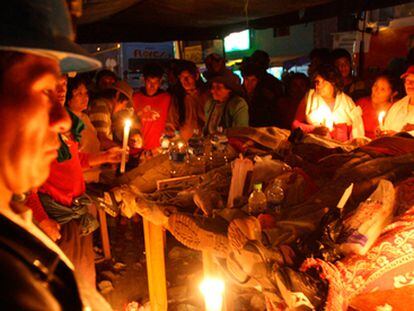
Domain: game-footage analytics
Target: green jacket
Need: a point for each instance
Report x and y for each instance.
(235, 112)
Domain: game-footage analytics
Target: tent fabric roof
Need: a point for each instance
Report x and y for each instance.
(162, 20)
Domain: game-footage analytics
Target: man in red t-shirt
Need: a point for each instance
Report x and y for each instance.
(151, 104)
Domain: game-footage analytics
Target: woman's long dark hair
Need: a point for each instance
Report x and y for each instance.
(329, 73)
(394, 83)
(73, 84)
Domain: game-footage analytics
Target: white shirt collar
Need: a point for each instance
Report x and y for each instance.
(24, 220)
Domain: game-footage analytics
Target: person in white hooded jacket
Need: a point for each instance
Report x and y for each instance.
(327, 111)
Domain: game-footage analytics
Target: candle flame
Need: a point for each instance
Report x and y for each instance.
(381, 117)
(127, 128)
(165, 143)
(127, 123)
(212, 290)
(323, 116)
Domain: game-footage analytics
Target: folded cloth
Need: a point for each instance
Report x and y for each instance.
(64, 214)
(383, 271)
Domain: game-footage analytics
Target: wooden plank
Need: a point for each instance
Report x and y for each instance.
(106, 245)
(154, 252)
(209, 268)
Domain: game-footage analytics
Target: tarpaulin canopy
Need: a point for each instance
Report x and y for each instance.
(161, 20)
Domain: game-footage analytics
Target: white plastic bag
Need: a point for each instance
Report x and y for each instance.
(362, 228)
(265, 169)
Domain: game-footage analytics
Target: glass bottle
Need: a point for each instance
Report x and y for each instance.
(257, 200)
(165, 143)
(275, 195)
(219, 143)
(178, 155)
(196, 153)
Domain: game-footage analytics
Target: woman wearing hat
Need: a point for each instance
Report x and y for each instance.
(400, 117)
(226, 108)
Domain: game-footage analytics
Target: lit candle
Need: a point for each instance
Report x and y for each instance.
(212, 290)
(381, 117)
(180, 145)
(165, 143)
(329, 122)
(324, 117)
(127, 127)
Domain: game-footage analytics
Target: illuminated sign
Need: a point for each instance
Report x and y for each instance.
(237, 41)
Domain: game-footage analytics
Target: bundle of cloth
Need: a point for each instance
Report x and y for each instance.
(246, 140)
(275, 253)
(320, 282)
(379, 276)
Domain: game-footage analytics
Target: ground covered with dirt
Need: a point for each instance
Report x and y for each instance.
(123, 280)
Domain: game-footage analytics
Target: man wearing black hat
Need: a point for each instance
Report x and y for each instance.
(267, 81)
(35, 37)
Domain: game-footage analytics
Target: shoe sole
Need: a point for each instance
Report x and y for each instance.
(186, 230)
(236, 237)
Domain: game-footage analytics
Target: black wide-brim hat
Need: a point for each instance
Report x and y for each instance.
(230, 81)
(43, 27)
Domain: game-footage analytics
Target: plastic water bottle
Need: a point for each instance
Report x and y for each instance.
(275, 195)
(257, 201)
(178, 155)
(219, 143)
(196, 153)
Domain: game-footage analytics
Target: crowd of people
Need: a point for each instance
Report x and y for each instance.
(330, 101)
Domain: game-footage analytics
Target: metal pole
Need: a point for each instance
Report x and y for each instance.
(361, 59)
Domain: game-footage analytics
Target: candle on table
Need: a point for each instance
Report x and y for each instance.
(180, 145)
(127, 128)
(212, 290)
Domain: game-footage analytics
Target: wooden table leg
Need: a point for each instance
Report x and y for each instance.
(154, 252)
(106, 246)
(209, 268)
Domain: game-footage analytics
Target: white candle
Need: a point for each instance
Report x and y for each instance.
(127, 128)
(212, 290)
(381, 117)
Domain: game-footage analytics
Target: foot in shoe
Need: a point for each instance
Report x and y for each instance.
(242, 230)
(193, 233)
(237, 239)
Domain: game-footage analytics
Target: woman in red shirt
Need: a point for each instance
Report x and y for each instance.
(60, 206)
(382, 96)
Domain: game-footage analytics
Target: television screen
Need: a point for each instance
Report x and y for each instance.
(237, 41)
